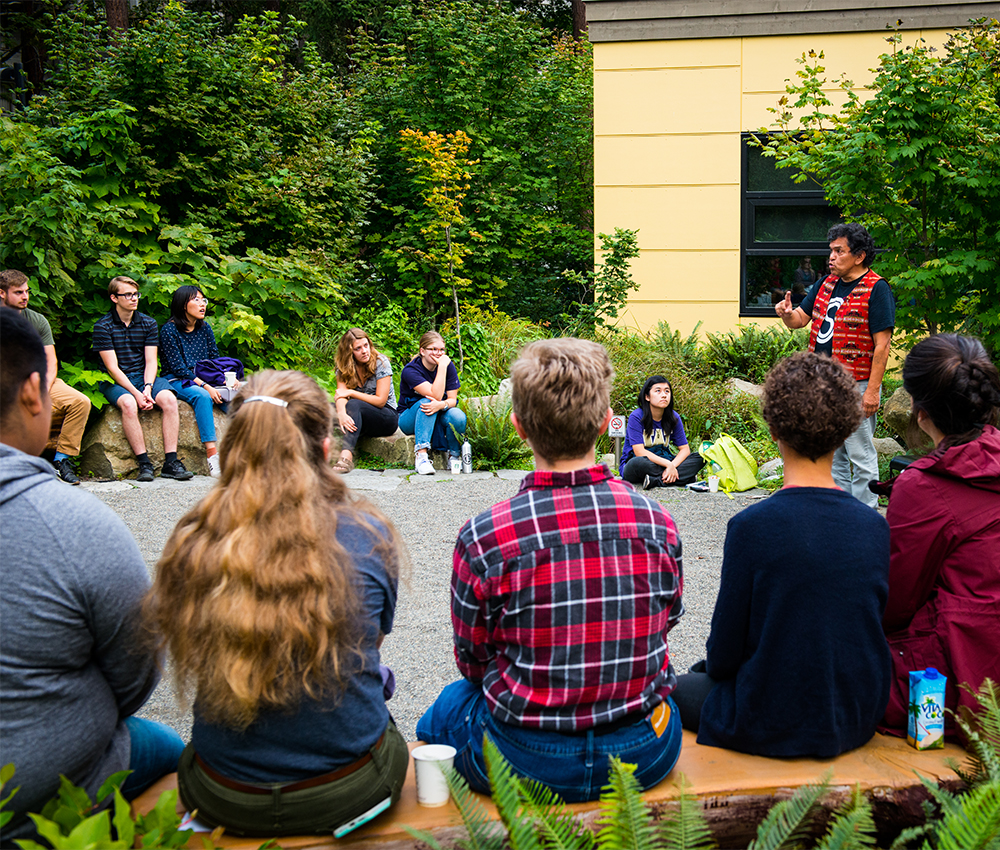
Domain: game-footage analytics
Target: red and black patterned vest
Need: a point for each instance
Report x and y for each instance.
(852, 338)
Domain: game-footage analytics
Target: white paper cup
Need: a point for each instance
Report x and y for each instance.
(432, 790)
(713, 483)
(231, 380)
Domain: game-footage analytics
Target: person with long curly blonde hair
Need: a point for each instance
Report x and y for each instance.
(272, 596)
(365, 399)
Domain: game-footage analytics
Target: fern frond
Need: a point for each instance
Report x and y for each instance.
(507, 794)
(852, 827)
(788, 821)
(422, 836)
(976, 826)
(982, 731)
(685, 827)
(948, 802)
(558, 827)
(625, 821)
(484, 833)
(912, 834)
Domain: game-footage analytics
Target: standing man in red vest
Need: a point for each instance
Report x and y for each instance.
(853, 313)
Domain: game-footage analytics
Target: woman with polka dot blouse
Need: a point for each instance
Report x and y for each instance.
(185, 339)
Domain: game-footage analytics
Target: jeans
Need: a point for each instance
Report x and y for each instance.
(113, 392)
(202, 403)
(372, 421)
(414, 421)
(858, 451)
(574, 765)
(156, 750)
(637, 468)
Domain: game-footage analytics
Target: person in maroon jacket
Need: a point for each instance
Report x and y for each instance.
(944, 520)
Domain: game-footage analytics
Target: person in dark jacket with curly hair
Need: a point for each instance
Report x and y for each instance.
(796, 663)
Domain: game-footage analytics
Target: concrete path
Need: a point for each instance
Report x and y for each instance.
(428, 511)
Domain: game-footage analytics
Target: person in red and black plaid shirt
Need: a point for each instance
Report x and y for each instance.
(562, 598)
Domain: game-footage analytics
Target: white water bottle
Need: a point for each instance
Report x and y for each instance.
(466, 457)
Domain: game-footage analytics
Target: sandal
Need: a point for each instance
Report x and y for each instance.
(344, 465)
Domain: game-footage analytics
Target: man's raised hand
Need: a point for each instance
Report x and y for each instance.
(784, 307)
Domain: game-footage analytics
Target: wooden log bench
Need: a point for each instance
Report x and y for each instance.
(735, 790)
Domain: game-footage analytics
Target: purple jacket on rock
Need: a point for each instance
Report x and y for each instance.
(944, 576)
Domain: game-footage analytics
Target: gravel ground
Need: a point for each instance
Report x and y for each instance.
(428, 514)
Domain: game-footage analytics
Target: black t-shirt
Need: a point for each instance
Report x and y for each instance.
(881, 309)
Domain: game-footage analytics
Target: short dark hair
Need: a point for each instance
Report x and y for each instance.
(22, 355)
(178, 306)
(858, 240)
(952, 379)
(811, 403)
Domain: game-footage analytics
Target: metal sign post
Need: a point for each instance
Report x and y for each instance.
(616, 429)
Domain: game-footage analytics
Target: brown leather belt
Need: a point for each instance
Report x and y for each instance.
(302, 784)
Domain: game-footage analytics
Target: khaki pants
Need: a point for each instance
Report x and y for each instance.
(70, 409)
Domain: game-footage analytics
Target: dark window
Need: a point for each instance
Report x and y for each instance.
(783, 244)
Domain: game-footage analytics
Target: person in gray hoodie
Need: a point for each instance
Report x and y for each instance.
(71, 583)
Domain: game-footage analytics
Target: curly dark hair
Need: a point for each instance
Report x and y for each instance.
(858, 240)
(952, 379)
(811, 404)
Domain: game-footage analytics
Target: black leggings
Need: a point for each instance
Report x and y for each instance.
(372, 421)
(638, 468)
(690, 694)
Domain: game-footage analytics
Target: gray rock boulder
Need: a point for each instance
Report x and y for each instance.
(106, 453)
(896, 412)
(396, 451)
(756, 390)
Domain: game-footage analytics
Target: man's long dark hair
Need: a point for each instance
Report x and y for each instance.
(669, 417)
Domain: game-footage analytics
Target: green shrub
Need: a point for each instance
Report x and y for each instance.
(749, 352)
(495, 444)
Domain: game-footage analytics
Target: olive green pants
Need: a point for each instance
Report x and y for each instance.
(309, 811)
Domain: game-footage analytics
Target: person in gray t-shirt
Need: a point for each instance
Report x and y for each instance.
(365, 399)
(71, 672)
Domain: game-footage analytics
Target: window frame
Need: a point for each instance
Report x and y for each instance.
(750, 202)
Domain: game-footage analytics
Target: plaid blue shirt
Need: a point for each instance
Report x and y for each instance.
(562, 598)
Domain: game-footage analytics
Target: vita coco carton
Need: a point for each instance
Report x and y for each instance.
(925, 729)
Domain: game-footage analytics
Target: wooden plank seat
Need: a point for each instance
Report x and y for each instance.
(736, 790)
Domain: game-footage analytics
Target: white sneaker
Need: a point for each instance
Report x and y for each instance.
(456, 466)
(213, 466)
(424, 465)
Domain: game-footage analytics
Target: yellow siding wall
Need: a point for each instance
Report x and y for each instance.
(667, 122)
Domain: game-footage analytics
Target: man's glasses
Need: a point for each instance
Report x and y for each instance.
(131, 296)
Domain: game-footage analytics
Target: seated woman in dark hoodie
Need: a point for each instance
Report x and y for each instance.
(797, 664)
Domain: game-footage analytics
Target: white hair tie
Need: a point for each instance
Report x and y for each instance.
(270, 399)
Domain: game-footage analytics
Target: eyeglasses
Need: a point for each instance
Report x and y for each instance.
(435, 350)
(131, 296)
(199, 300)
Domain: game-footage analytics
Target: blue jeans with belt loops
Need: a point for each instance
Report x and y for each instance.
(575, 766)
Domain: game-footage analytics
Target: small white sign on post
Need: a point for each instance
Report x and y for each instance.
(616, 427)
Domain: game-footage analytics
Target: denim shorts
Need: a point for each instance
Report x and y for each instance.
(574, 765)
(113, 392)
